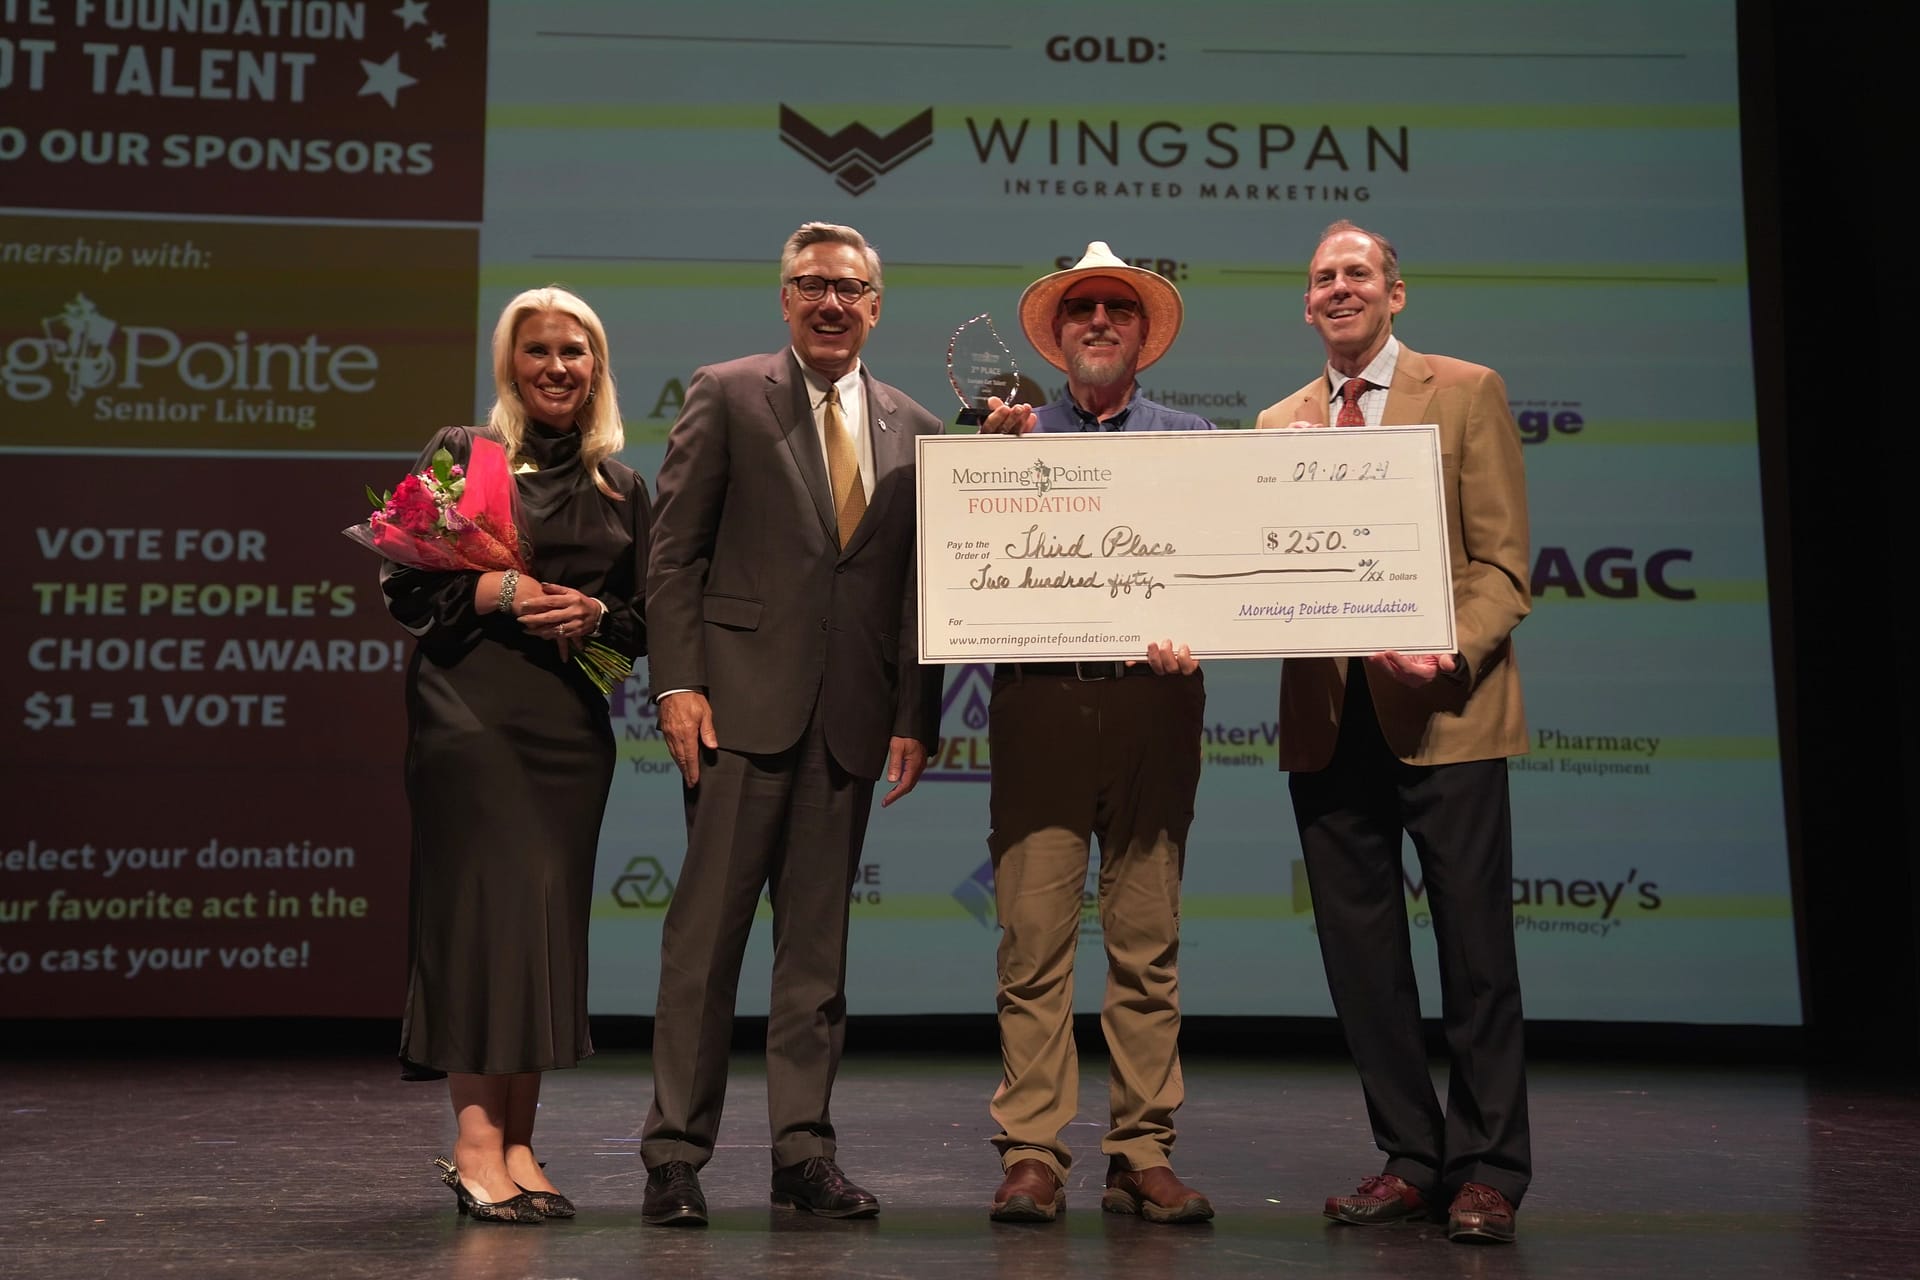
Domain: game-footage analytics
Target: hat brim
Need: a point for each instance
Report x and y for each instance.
(1158, 299)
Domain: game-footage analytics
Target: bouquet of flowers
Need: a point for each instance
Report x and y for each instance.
(451, 517)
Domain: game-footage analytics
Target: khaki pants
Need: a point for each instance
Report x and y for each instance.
(1115, 760)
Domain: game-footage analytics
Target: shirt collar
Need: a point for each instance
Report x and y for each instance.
(1118, 422)
(1378, 373)
(817, 381)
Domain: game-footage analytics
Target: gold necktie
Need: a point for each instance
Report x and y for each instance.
(843, 469)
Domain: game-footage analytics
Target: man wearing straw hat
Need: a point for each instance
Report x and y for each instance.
(1083, 750)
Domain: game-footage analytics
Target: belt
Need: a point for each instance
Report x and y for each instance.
(1083, 671)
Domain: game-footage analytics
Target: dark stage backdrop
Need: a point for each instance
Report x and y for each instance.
(251, 254)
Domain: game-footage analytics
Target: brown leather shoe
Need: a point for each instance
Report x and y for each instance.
(1156, 1194)
(1377, 1201)
(1029, 1193)
(1480, 1215)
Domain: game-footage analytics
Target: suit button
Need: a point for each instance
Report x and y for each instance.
(823, 624)
(839, 568)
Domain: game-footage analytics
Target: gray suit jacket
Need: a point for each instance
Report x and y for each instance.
(749, 598)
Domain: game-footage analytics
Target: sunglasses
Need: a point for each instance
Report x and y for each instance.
(1120, 311)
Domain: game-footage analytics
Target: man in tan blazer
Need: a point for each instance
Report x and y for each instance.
(1417, 743)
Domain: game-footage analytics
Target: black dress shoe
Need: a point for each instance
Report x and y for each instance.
(673, 1198)
(818, 1186)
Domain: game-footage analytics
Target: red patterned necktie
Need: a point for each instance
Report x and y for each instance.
(1350, 392)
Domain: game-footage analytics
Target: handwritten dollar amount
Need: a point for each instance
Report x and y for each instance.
(1301, 540)
(173, 710)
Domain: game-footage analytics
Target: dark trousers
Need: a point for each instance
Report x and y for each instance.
(792, 823)
(1351, 815)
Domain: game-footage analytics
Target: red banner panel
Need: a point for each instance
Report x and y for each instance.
(204, 715)
(279, 108)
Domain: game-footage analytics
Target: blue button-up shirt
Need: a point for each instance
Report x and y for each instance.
(1140, 414)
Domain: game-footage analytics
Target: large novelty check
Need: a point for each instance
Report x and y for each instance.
(1241, 544)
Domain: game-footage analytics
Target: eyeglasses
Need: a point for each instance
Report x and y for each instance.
(1120, 311)
(846, 288)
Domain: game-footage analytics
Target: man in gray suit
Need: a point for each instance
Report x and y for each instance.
(781, 618)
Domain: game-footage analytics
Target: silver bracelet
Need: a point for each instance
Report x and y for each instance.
(509, 583)
(601, 620)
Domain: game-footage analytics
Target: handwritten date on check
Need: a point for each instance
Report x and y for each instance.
(1241, 544)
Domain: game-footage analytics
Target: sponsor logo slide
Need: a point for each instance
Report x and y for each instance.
(244, 337)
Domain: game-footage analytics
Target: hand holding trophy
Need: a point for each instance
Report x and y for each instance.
(985, 377)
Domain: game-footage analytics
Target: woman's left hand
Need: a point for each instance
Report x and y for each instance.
(562, 615)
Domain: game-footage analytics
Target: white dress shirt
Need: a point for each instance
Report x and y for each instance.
(1378, 375)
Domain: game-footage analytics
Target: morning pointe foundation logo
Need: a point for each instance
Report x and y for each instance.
(856, 156)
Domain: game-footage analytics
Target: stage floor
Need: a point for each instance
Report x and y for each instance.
(135, 1168)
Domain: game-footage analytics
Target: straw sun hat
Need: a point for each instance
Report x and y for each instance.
(1159, 300)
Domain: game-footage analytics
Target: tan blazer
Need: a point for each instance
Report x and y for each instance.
(1486, 491)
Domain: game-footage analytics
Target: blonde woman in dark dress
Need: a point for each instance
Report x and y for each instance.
(510, 754)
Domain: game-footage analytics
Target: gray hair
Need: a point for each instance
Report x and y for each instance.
(812, 233)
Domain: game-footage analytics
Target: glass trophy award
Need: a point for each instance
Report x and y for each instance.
(979, 365)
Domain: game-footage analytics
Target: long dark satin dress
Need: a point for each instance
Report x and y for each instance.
(509, 757)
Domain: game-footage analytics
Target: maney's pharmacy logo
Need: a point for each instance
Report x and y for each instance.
(856, 156)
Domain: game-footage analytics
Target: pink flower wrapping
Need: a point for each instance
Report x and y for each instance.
(449, 517)
(454, 518)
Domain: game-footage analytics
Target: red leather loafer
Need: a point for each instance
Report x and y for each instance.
(1480, 1215)
(1378, 1201)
